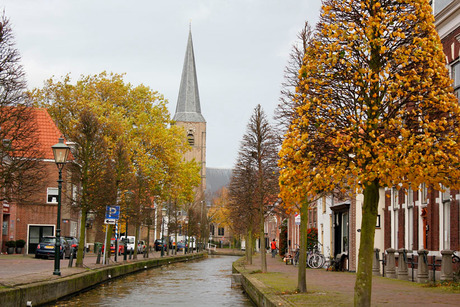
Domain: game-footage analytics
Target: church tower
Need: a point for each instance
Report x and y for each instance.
(188, 115)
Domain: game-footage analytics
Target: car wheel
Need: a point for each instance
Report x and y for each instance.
(36, 256)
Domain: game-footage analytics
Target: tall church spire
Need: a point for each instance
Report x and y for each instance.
(188, 107)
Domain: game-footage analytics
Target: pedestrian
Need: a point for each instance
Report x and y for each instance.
(273, 248)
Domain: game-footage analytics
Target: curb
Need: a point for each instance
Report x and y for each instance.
(260, 294)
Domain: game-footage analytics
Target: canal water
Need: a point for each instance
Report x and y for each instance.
(197, 283)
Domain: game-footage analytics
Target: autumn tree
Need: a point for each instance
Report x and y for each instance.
(243, 211)
(20, 166)
(285, 114)
(256, 171)
(378, 109)
(124, 141)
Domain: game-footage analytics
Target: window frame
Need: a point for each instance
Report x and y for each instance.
(48, 194)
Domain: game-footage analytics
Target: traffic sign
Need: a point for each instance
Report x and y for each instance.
(112, 212)
(297, 219)
(110, 221)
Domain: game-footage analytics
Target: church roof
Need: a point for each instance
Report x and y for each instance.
(188, 107)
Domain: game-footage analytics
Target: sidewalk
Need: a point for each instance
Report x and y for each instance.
(326, 288)
(18, 270)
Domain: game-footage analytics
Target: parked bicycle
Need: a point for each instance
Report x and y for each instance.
(315, 259)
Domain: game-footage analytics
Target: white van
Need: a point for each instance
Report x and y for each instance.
(130, 246)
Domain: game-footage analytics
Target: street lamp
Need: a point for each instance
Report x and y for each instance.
(60, 152)
(163, 213)
(186, 237)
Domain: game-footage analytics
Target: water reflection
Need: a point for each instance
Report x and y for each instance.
(199, 283)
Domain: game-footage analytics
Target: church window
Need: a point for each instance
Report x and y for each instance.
(191, 139)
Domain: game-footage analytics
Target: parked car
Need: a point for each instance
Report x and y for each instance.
(121, 246)
(158, 243)
(73, 242)
(130, 243)
(46, 248)
(181, 245)
(141, 246)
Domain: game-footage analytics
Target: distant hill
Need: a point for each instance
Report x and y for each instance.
(217, 178)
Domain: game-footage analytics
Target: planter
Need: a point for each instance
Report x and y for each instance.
(18, 250)
(10, 250)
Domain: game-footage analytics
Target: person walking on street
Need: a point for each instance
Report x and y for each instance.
(273, 248)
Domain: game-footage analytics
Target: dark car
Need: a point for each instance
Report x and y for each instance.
(46, 248)
(181, 245)
(158, 243)
(73, 242)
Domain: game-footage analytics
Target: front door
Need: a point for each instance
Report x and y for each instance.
(36, 234)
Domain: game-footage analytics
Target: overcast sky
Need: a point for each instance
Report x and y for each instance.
(241, 48)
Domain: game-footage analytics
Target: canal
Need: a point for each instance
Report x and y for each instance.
(199, 283)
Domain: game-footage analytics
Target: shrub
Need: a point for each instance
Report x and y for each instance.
(10, 243)
(20, 243)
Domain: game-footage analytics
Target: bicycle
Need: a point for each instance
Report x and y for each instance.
(315, 259)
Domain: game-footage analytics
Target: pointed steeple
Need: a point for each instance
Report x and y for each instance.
(188, 107)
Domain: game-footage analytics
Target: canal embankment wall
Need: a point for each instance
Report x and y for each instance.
(43, 292)
(258, 292)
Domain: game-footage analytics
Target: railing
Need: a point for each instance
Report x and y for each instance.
(211, 247)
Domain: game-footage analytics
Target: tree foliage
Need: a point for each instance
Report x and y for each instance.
(126, 148)
(377, 110)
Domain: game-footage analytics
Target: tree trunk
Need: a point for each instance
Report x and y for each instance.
(363, 285)
(302, 274)
(263, 252)
(81, 242)
(249, 245)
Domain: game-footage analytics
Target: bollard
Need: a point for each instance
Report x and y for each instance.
(402, 264)
(422, 267)
(376, 263)
(131, 254)
(99, 252)
(447, 272)
(391, 265)
(71, 257)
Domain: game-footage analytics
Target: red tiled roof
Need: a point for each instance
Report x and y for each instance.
(47, 132)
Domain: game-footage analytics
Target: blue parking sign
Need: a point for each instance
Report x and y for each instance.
(112, 212)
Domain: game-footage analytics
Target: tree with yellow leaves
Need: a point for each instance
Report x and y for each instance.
(378, 110)
(124, 139)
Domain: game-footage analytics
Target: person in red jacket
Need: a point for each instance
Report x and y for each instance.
(273, 248)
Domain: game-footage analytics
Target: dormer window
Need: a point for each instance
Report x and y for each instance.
(191, 139)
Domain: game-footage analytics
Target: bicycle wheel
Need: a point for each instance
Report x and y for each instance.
(315, 261)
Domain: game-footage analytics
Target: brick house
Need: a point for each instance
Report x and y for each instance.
(428, 219)
(35, 217)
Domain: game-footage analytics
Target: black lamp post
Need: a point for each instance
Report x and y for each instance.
(60, 152)
(186, 237)
(163, 213)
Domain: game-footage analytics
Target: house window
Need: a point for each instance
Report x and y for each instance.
(52, 195)
(446, 194)
(410, 219)
(395, 204)
(324, 204)
(424, 193)
(211, 230)
(221, 231)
